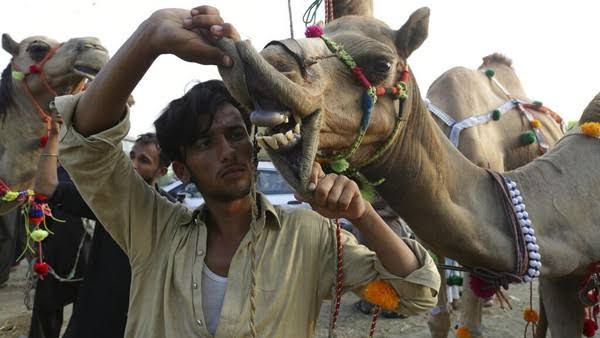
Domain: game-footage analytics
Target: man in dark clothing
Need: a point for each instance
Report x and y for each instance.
(101, 307)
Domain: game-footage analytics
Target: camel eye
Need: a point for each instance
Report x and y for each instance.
(382, 66)
(37, 50)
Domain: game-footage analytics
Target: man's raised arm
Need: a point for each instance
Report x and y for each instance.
(184, 33)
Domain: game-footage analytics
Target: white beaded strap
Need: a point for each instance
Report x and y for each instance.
(534, 262)
(477, 120)
(437, 111)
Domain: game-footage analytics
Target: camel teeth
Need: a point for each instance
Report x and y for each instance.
(272, 142)
(289, 135)
(261, 141)
(282, 140)
(297, 128)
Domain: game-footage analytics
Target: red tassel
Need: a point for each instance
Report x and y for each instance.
(589, 328)
(313, 31)
(480, 288)
(43, 141)
(41, 269)
(405, 76)
(35, 69)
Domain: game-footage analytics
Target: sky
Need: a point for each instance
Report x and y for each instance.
(553, 44)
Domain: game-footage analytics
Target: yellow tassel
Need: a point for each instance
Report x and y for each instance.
(531, 316)
(536, 124)
(463, 332)
(382, 294)
(591, 129)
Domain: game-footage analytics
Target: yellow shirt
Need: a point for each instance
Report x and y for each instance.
(166, 245)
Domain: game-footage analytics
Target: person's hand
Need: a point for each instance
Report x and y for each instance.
(334, 196)
(190, 35)
(55, 124)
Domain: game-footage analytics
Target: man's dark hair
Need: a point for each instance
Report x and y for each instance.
(178, 125)
(150, 138)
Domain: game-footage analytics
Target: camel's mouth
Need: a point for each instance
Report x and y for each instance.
(290, 141)
(87, 71)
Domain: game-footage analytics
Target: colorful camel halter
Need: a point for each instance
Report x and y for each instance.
(528, 137)
(340, 162)
(37, 68)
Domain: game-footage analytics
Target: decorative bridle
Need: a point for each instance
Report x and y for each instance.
(340, 163)
(37, 68)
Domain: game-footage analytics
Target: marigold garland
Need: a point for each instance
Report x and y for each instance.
(463, 332)
(591, 129)
(381, 294)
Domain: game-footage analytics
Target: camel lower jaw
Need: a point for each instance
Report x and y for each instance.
(293, 150)
(88, 73)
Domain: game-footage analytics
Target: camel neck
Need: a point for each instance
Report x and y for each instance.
(447, 201)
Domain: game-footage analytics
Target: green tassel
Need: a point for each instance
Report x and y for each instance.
(368, 192)
(454, 280)
(490, 73)
(496, 115)
(528, 138)
(339, 166)
(17, 75)
(537, 103)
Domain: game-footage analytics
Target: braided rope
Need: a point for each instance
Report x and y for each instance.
(339, 278)
(254, 231)
(374, 321)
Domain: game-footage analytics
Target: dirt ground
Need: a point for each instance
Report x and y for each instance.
(498, 323)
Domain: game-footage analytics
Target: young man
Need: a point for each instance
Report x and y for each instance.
(237, 266)
(100, 309)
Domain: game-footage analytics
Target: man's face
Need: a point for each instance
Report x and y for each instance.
(146, 161)
(220, 161)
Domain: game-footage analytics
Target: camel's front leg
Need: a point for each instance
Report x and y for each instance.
(542, 328)
(439, 317)
(470, 309)
(562, 306)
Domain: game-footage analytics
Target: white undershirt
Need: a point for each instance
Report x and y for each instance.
(213, 292)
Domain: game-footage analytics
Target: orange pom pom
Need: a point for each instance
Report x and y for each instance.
(531, 316)
(591, 129)
(382, 294)
(536, 124)
(379, 91)
(463, 332)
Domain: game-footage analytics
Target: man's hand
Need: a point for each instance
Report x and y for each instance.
(190, 35)
(55, 124)
(335, 196)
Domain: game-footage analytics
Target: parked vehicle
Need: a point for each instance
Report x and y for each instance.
(269, 182)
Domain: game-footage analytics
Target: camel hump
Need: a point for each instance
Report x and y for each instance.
(591, 113)
(496, 58)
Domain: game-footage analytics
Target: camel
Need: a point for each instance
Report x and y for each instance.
(316, 106)
(460, 94)
(41, 68)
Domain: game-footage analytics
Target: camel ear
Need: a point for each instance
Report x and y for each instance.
(10, 45)
(352, 7)
(413, 33)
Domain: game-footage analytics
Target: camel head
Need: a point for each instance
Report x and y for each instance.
(308, 103)
(62, 65)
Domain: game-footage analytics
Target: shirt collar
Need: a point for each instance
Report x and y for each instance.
(268, 212)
